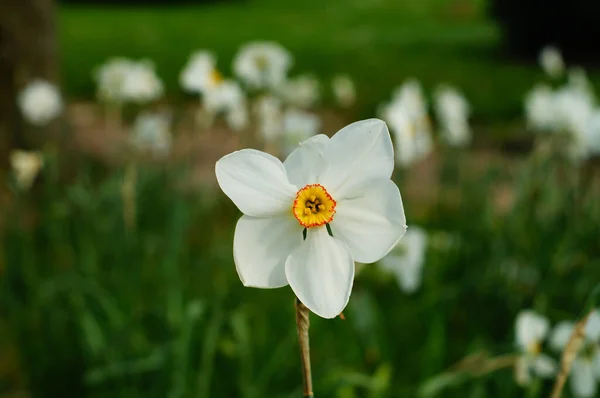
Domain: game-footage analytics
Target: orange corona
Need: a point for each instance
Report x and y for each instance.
(313, 206)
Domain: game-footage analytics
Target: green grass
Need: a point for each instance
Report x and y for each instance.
(380, 43)
(93, 308)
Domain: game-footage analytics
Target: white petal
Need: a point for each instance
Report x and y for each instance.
(544, 366)
(522, 373)
(530, 328)
(561, 335)
(256, 182)
(583, 382)
(409, 277)
(321, 272)
(371, 224)
(261, 246)
(592, 327)
(357, 154)
(306, 161)
(597, 363)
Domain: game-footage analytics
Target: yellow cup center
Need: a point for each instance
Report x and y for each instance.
(313, 206)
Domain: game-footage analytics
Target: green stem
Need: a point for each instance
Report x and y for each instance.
(302, 325)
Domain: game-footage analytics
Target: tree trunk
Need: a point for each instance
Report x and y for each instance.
(28, 50)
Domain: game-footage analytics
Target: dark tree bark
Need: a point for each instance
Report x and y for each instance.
(28, 50)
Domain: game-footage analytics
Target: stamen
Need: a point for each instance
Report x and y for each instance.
(313, 206)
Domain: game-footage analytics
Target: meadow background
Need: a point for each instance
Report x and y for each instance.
(93, 305)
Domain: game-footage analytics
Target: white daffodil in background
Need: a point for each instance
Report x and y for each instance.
(152, 134)
(269, 114)
(539, 108)
(406, 260)
(224, 97)
(26, 166)
(592, 133)
(344, 90)
(552, 62)
(262, 65)
(302, 91)
(569, 110)
(409, 122)
(110, 78)
(142, 84)
(237, 118)
(585, 372)
(298, 126)
(340, 185)
(200, 73)
(530, 331)
(452, 110)
(40, 102)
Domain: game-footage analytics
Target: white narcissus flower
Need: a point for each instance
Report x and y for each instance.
(406, 260)
(592, 133)
(409, 121)
(237, 117)
(40, 102)
(585, 371)
(302, 91)
(340, 184)
(262, 65)
(452, 109)
(26, 166)
(152, 133)
(298, 126)
(412, 144)
(224, 97)
(551, 61)
(200, 74)
(110, 78)
(573, 110)
(344, 90)
(530, 330)
(268, 110)
(141, 83)
(540, 108)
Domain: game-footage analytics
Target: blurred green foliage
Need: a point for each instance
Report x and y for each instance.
(96, 308)
(379, 43)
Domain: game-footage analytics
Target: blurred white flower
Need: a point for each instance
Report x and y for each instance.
(141, 83)
(262, 65)
(578, 80)
(200, 74)
(302, 91)
(592, 133)
(341, 183)
(298, 126)
(110, 78)
(152, 133)
(409, 122)
(452, 110)
(540, 108)
(573, 110)
(585, 372)
(344, 90)
(40, 102)
(237, 117)
(225, 96)
(268, 110)
(551, 61)
(530, 330)
(26, 166)
(407, 258)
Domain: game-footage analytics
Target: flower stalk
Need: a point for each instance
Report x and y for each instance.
(569, 355)
(302, 325)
